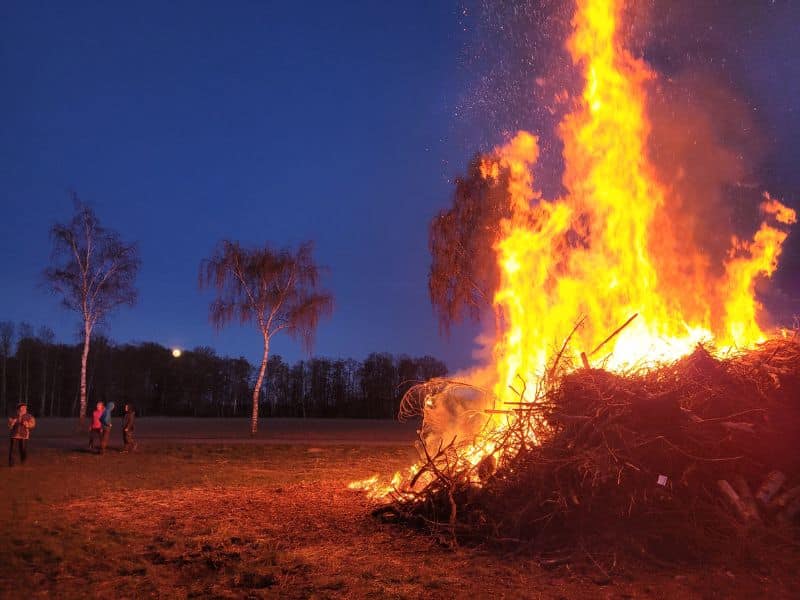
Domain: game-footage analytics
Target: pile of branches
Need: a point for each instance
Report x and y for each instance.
(671, 461)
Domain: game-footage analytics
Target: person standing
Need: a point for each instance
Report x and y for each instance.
(96, 428)
(105, 421)
(128, 427)
(20, 428)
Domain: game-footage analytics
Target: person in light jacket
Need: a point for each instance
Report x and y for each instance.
(19, 427)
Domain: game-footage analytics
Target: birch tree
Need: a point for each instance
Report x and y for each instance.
(93, 271)
(277, 289)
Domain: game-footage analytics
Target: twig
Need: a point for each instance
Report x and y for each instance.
(616, 331)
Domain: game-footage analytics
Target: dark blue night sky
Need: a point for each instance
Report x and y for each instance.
(187, 122)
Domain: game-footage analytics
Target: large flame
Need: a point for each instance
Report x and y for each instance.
(592, 254)
(599, 255)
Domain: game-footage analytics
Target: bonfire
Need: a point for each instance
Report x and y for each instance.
(638, 397)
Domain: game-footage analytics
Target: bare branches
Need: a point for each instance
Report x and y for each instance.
(607, 462)
(275, 288)
(92, 270)
(463, 274)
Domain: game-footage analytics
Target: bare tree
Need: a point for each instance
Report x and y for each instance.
(276, 289)
(6, 342)
(463, 273)
(93, 271)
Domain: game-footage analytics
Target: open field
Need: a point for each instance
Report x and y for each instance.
(364, 432)
(218, 519)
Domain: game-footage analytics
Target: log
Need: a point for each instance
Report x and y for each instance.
(769, 487)
(747, 498)
(788, 514)
(732, 497)
(785, 498)
(691, 416)
(585, 361)
(736, 426)
(730, 494)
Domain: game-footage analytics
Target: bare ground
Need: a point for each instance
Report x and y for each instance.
(276, 521)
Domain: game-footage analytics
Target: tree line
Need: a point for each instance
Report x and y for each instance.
(36, 369)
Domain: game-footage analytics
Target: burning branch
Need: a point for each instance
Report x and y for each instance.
(610, 452)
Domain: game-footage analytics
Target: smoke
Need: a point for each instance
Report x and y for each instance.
(704, 147)
(708, 143)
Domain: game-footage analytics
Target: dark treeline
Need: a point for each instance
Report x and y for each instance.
(45, 374)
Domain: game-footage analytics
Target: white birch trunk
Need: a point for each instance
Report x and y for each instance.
(87, 336)
(257, 388)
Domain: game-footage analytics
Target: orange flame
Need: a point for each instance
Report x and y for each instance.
(591, 253)
(597, 254)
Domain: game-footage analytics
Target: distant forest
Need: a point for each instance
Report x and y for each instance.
(34, 368)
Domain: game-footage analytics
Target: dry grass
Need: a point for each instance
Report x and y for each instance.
(266, 521)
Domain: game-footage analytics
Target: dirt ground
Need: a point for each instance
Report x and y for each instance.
(222, 520)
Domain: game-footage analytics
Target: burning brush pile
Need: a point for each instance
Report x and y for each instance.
(677, 457)
(678, 427)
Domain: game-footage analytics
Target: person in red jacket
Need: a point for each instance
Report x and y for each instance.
(20, 428)
(95, 427)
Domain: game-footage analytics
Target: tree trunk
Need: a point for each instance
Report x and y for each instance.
(257, 389)
(87, 336)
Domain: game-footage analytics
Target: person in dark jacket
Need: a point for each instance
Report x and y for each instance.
(19, 427)
(105, 421)
(128, 427)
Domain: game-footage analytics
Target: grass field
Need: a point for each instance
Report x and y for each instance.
(275, 521)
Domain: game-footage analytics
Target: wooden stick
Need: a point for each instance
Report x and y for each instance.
(785, 498)
(747, 499)
(790, 512)
(770, 486)
(736, 426)
(564, 346)
(729, 493)
(616, 332)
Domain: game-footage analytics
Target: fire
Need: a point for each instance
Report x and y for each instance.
(598, 255)
(591, 253)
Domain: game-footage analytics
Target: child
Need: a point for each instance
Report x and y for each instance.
(105, 421)
(96, 428)
(20, 427)
(128, 427)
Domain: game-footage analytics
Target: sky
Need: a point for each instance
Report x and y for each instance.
(184, 123)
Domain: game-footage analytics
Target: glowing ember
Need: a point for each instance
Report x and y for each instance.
(597, 255)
